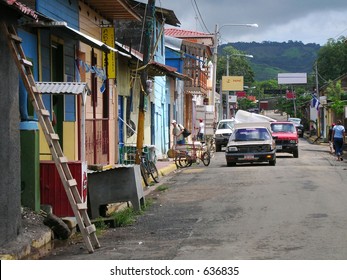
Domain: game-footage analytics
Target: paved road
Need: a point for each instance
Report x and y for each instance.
(294, 210)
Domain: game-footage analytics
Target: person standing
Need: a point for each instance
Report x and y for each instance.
(339, 139)
(201, 131)
(178, 133)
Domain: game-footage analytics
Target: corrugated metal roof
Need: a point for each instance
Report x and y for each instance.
(62, 87)
(181, 33)
(94, 41)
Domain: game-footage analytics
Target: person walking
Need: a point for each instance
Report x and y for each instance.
(331, 140)
(339, 139)
(177, 132)
(201, 130)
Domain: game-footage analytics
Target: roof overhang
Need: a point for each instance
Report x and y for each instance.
(114, 9)
(134, 53)
(21, 9)
(61, 26)
(157, 69)
(154, 68)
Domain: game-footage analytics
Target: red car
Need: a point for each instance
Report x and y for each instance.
(287, 138)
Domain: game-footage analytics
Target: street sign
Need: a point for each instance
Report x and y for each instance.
(292, 78)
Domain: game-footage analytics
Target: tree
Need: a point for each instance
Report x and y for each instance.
(287, 105)
(332, 59)
(335, 94)
(244, 104)
(238, 65)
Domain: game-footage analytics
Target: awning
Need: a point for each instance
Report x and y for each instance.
(61, 26)
(92, 41)
(72, 88)
(62, 88)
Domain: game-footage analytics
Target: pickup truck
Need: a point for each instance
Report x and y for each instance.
(287, 138)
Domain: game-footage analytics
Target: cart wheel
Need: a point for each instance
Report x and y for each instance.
(184, 161)
(177, 157)
(206, 158)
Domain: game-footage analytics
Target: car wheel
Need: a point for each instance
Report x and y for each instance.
(218, 148)
(296, 154)
(231, 164)
(272, 162)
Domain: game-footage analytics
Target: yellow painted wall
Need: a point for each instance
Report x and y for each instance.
(44, 150)
(70, 138)
(70, 146)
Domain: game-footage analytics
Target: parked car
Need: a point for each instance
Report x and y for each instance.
(253, 110)
(251, 142)
(223, 132)
(287, 139)
(299, 126)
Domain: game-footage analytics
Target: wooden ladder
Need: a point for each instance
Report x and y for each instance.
(79, 207)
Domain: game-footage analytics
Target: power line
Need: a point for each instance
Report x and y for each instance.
(196, 16)
(204, 25)
(197, 19)
(340, 33)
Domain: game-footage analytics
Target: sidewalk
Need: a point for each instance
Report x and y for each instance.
(36, 235)
(318, 141)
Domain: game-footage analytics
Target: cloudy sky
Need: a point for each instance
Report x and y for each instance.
(309, 21)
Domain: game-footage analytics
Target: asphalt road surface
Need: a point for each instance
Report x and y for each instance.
(296, 210)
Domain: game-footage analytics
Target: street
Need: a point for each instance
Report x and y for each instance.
(294, 210)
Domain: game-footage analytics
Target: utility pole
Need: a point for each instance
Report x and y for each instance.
(227, 94)
(214, 75)
(317, 93)
(147, 47)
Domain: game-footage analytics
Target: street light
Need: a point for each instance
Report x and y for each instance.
(215, 47)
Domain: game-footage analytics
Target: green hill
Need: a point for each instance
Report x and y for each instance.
(271, 58)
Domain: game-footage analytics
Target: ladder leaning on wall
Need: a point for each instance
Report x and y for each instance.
(79, 207)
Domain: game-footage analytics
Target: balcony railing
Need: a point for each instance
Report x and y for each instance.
(198, 83)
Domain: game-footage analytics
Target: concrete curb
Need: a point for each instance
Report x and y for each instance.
(164, 171)
(27, 244)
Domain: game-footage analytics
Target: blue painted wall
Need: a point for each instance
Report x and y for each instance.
(173, 58)
(68, 11)
(160, 102)
(60, 10)
(30, 49)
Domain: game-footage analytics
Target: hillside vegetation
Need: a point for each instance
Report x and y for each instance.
(271, 58)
